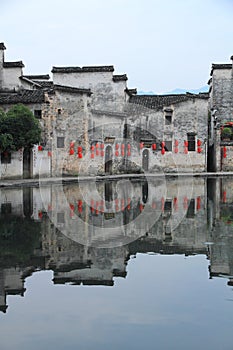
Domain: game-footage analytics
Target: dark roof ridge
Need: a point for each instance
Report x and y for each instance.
(220, 66)
(2, 46)
(119, 77)
(85, 69)
(37, 76)
(13, 64)
(71, 89)
(23, 77)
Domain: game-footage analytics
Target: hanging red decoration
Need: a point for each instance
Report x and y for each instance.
(72, 144)
(163, 151)
(186, 143)
(122, 204)
(122, 146)
(40, 148)
(122, 152)
(92, 148)
(141, 145)
(71, 206)
(97, 145)
(162, 144)
(175, 203)
(199, 143)
(198, 203)
(71, 151)
(176, 143)
(102, 145)
(80, 155)
(224, 196)
(153, 146)
(92, 155)
(79, 149)
(141, 207)
(117, 153)
(129, 153)
(117, 146)
(49, 154)
(186, 150)
(129, 146)
(224, 152)
(199, 149)
(40, 214)
(176, 149)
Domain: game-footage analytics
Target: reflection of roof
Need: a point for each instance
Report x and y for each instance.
(13, 64)
(160, 101)
(23, 96)
(86, 69)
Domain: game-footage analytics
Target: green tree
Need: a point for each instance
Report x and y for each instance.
(18, 128)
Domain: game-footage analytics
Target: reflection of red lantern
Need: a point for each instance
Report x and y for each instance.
(141, 145)
(122, 146)
(71, 151)
(117, 146)
(176, 149)
(92, 155)
(117, 153)
(40, 148)
(122, 152)
(80, 149)
(176, 143)
(80, 155)
(198, 143)
(185, 203)
(102, 145)
(163, 151)
(128, 146)
(162, 144)
(186, 150)
(72, 144)
(129, 153)
(102, 153)
(153, 146)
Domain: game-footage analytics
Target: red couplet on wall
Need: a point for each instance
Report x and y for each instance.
(224, 152)
(224, 196)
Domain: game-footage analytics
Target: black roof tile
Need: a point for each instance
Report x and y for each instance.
(13, 64)
(122, 77)
(71, 89)
(23, 96)
(38, 77)
(2, 46)
(220, 66)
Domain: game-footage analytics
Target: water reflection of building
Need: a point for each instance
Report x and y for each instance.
(190, 216)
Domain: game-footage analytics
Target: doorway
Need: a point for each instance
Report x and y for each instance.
(108, 160)
(145, 159)
(27, 163)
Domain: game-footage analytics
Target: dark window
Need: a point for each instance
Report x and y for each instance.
(6, 208)
(5, 158)
(191, 142)
(37, 113)
(59, 111)
(168, 119)
(60, 218)
(168, 146)
(168, 205)
(191, 209)
(60, 142)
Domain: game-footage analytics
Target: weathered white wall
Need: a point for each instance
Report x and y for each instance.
(13, 169)
(11, 79)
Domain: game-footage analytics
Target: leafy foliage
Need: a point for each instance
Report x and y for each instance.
(18, 128)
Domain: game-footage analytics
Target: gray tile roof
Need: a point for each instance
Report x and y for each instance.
(161, 101)
(71, 89)
(46, 84)
(86, 69)
(131, 92)
(23, 96)
(13, 64)
(122, 77)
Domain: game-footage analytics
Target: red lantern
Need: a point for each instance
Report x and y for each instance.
(141, 145)
(49, 154)
(153, 146)
(72, 144)
(141, 207)
(40, 148)
(186, 143)
(40, 214)
(71, 151)
(199, 143)
(128, 146)
(176, 149)
(97, 145)
(122, 152)
(117, 146)
(176, 143)
(186, 150)
(175, 202)
(199, 149)
(122, 146)
(129, 153)
(80, 155)
(163, 151)
(92, 148)
(117, 153)
(162, 144)
(80, 149)
(92, 155)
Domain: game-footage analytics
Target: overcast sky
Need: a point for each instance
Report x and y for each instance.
(160, 44)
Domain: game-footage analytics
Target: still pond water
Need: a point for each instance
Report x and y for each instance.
(117, 265)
